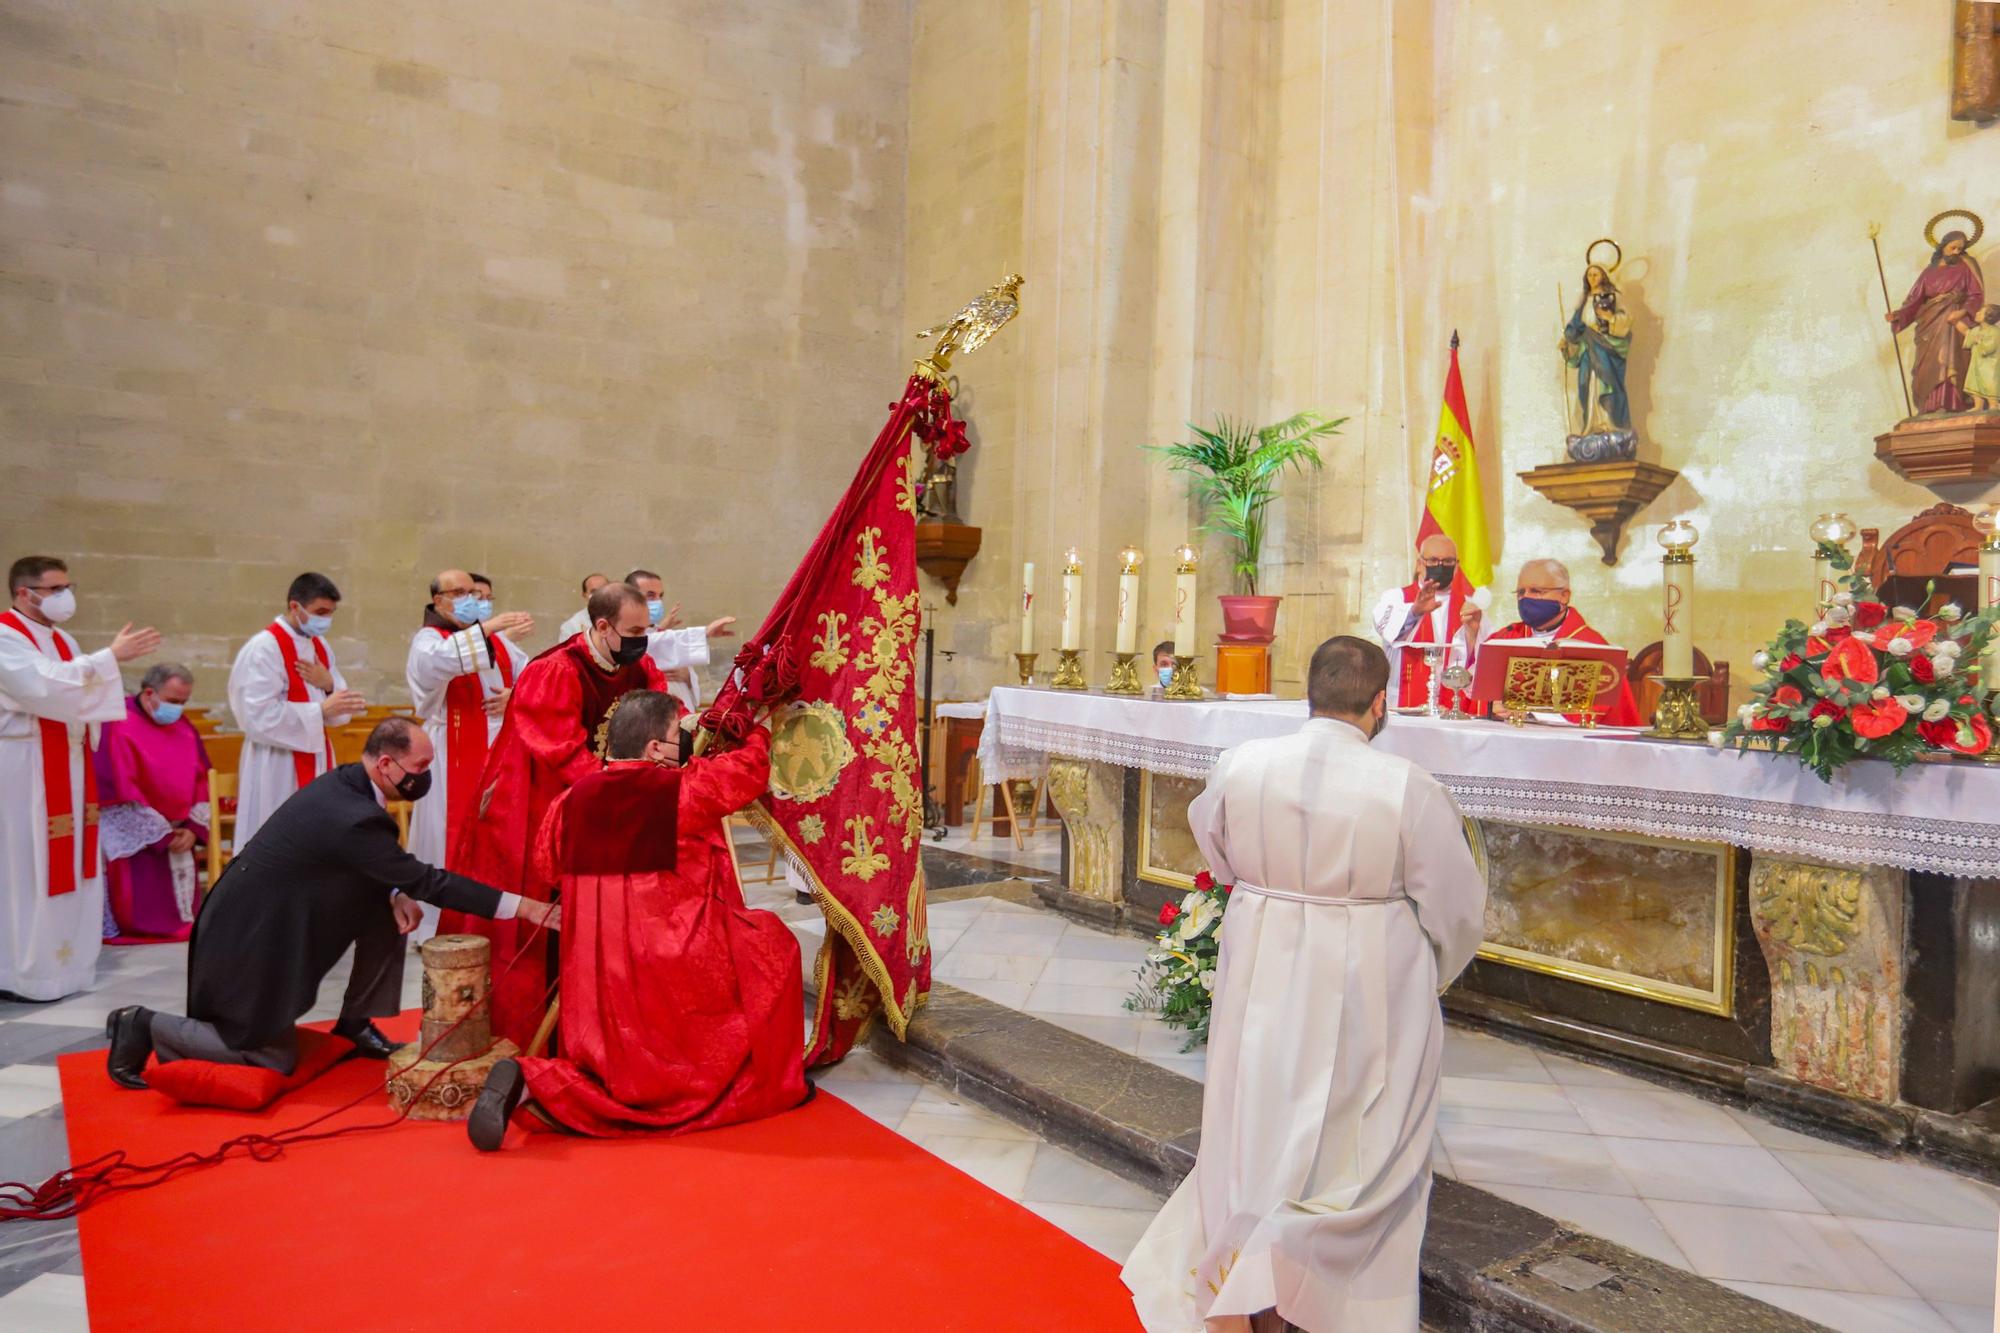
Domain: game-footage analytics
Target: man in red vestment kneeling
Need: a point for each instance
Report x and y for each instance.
(681, 1008)
(1542, 593)
(546, 745)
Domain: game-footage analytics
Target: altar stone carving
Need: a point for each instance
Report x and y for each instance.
(1833, 938)
(1090, 797)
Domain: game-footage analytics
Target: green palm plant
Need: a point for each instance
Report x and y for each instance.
(1234, 469)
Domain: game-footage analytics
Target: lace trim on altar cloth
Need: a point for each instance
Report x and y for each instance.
(1015, 748)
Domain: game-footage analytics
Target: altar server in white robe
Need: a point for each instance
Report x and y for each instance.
(676, 651)
(285, 691)
(1437, 608)
(460, 670)
(52, 695)
(580, 622)
(1356, 901)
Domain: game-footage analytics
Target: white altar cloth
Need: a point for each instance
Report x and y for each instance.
(1937, 817)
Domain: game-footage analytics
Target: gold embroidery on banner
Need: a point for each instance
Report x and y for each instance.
(863, 860)
(809, 751)
(832, 654)
(898, 779)
(907, 475)
(917, 939)
(853, 999)
(887, 657)
(869, 566)
(885, 921)
(812, 828)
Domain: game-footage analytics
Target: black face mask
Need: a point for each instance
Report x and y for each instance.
(631, 647)
(1442, 575)
(412, 786)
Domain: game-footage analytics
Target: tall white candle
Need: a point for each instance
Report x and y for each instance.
(1028, 607)
(1072, 602)
(1184, 577)
(1677, 625)
(1128, 600)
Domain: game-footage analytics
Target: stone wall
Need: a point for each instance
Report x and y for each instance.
(1256, 207)
(374, 288)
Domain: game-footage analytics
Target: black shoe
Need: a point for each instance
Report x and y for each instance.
(498, 1100)
(368, 1041)
(131, 1033)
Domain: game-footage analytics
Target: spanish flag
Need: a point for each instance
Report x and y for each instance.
(1452, 501)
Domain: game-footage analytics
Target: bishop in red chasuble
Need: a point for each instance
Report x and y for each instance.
(681, 1007)
(1548, 618)
(547, 745)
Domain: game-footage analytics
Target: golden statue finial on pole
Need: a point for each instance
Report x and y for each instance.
(979, 319)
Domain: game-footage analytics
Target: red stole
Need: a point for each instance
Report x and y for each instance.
(465, 734)
(305, 767)
(59, 795)
(1415, 691)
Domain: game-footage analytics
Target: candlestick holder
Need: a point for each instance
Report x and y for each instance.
(1069, 670)
(1433, 662)
(1125, 675)
(1026, 662)
(1678, 714)
(1184, 683)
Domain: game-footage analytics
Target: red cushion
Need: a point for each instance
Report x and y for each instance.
(246, 1087)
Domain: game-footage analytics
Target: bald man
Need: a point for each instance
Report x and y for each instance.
(1542, 595)
(580, 622)
(1435, 608)
(460, 669)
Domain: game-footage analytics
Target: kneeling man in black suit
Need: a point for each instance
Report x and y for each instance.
(325, 871)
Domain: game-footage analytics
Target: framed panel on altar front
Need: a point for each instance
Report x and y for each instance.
(1652, 917)
(1167, 852)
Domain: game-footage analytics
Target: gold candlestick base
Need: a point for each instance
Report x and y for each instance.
(1678, 716)
(1125, 675)
(1069, 670)
(1026, 661)
(1184, 684)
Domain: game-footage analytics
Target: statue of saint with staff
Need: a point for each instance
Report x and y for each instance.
(1943, 305)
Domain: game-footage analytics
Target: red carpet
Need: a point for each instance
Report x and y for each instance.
(820, 1219)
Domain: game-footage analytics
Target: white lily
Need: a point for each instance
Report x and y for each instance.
(1912, 703)
(1900, 647)
(1938, 711)
(1951, 611)
(1905, 614)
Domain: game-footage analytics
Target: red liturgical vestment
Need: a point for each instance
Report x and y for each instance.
(681, 1008)
(547, 744)
(1623, 713)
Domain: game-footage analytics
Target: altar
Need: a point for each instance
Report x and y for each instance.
(1726, 916)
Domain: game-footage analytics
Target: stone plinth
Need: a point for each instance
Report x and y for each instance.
(456, 1047)
(441, 1089)
(1833, 938)
(1090, 797)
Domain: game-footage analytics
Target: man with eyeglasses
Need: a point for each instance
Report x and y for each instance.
(460, 669)
(1541, 594)
(1438, 609)
(52, 696)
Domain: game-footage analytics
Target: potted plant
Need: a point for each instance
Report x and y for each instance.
(1234, 472)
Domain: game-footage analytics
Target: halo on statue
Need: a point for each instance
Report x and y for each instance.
(1618, 255)
(1978, 227)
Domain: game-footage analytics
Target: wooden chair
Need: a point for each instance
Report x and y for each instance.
(976, 790)
(203, 721)
(1713, 692)
(1919, 553)
(770, 871)
(225, 758)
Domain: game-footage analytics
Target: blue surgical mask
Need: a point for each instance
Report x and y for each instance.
(470, 609)
(656, 610)
(1166, 676)
(166, 714)
(1539, 610)
(316, 626)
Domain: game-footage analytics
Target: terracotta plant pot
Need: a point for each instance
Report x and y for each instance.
(1249, 619)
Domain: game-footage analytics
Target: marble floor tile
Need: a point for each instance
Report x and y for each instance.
(1967, 1318)
(933, 1111)
(24, 1039)
(1952, 1264)
(1117, 975)
(964, 965)
(1482, 1153)
(1476, 1055)
(1654, 1113)
(33, 1148)
(885, 1103)
(1773, 1135)
(1013, 994)
(1112, 1232)
(1194, 1065)
(1053, 997)
(1745, 1177)
(1062, 1177)
(1077, 942)
(26, 1089)
(1625, 1221)
(1499, 1102)
(1849, 1311)
(1892, 1190)
(50, 1303)
(1002, 1165)
(1580, 1074)
(1773, 1245)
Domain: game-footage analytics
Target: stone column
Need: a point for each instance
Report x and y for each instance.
(1090, 797)
(1833, 937)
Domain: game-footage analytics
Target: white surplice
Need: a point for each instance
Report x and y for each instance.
(672, 649)
(574, 626)
(48, 946)
(1356, 901)
(273, 727)
(1392, 614)
(435, 661)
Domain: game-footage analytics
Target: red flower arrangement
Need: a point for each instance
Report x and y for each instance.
(1870, 680)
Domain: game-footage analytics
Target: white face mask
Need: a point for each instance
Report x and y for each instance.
(315, 626)
(58, 606)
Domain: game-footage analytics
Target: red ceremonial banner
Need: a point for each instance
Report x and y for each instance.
(835, 662)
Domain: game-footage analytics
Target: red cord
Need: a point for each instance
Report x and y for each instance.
(74, 1188)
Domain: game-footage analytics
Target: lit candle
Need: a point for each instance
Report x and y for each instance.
(1128, 600)
(1677, 606)
(1072, 607)
(1187, 558)
(1028, 607)
(1988, 523)
(1828, 531)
